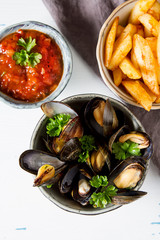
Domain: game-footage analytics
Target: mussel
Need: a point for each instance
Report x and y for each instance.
(73, 128)
(54, 107)
(126, 197)
(100, 117)
(128, 173)
(100, 160)
(143, 140)
(48, 168)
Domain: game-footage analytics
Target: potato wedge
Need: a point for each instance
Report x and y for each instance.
(134, 60)
(129, 69)
(110, 42)
(117, 76)
(155, 10)
(152, 41)
(136, 90)
(129, 29)
(157, 99)
(152, 96)
(146, 62)
(158, 71)
(141, 7)
(150, 23)
(147, 33)
(121, 52)
(140, 30)
(119, 30)
(158, 45)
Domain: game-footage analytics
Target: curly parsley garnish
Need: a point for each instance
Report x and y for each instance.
(24, 57)
(56, 124)
(125, 150)
(87, 145)
(103, 197)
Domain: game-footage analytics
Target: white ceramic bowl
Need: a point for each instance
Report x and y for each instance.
(123, 12)
(76, 102)
(66, 55)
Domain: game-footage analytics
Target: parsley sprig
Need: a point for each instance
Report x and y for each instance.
(56, 124)
(125, 150)
(24, 57)
(104, 196)
(87, 145)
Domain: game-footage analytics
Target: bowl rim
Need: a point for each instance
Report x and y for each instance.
(68, 68)
(42, 189)
(124, 96)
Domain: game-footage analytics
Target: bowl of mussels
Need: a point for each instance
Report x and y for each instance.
(88, 154)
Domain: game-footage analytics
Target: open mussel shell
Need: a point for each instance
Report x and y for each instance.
(127, 197)
(82, 190)
(142, 138)
(101, 118)
(128, 173)
(72, 130)
(70, 150)
(100, 160)
(32, 160)
(54, 107)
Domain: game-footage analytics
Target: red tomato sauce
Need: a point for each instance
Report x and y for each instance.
(24, 82)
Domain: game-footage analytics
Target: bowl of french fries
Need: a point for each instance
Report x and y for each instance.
(128, 53)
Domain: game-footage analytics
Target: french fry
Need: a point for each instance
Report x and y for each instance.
(139, 9)
(158, 45)
(150, 23)
(110, 42)
(152, 96)
(155, 10)
(129, 69)
(157, 99)
(158, 71)
(121, 52)
(133, 59)
(129, 29)
(140, 30)
(119, 30)
(136, 90)
(147, 33)
(117, 76)
(146, 62)
(152, 41)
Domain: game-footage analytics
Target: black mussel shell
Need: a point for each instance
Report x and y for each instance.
(72, 130)
(32, 160)
(82, 190)
(100, 160)
(111, 118)
(146, 153)
(54, 107)
(127, 197)
(131, 169)
(66, 183)
(70, 150)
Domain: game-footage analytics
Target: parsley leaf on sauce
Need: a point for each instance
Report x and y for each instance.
(24, 57)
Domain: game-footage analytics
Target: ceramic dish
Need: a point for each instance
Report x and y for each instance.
(66, 58)
(123, 12)
(76, 102)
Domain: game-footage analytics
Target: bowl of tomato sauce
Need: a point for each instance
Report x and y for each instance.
(35, 64)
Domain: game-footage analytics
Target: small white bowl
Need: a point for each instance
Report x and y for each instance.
(123, 12)
(66, 56)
